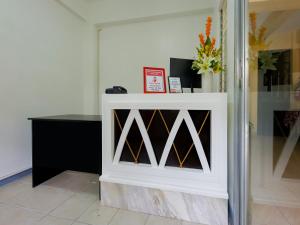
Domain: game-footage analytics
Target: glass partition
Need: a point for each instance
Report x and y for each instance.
(274, 112)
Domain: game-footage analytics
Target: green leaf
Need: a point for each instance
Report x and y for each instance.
(208, 41)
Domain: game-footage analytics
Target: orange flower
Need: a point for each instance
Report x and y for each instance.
(262, 32)
(201, 39)
(213, 42)
(208, 26)
(253, 22)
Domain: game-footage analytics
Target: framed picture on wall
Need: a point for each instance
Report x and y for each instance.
(175, 85)
(154, 80)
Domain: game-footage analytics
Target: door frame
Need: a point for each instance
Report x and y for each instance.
(242, 101)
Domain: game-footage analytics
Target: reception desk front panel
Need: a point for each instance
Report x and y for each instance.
(159, 124)
(173, 142)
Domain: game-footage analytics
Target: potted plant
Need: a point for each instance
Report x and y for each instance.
(209, 58)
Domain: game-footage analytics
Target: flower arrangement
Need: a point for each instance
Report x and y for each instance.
(258, 43)
(208, 57)
(257, 39)
(267, 61)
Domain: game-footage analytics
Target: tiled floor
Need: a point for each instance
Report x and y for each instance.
(274, 215)
(70, 198)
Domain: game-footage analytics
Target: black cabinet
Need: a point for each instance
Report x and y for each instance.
(67, 142)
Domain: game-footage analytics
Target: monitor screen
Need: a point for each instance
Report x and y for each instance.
(183, 68)
(280, 74)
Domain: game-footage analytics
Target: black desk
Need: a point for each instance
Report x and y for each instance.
(66, 142)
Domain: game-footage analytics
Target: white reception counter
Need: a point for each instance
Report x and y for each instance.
(166, 154)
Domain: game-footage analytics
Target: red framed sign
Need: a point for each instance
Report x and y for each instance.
(154, 80)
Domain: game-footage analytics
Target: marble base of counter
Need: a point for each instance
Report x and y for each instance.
(183, 206)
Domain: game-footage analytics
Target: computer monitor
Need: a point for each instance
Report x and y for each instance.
(183, 68)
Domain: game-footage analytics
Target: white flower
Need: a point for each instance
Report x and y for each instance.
(205, 65)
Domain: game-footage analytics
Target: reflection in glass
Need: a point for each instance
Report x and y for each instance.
(274, 100)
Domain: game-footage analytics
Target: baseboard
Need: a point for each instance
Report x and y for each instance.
(15, 176)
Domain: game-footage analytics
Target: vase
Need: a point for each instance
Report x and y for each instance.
(207, 82)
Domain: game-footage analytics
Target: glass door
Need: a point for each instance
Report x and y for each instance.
(273, 67)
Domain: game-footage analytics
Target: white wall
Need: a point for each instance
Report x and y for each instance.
(41, 64)
(125, 49)
(106, 14)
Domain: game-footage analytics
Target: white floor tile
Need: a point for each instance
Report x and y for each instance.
(42, 198)
(63, 180)
(91, 188)
(74, 207)
(11, 190)
(75, 182)
(90, 177)
(27, 179)
(124, 217)
(11, 215)
(291, 214)
(267, 215)
(157, 220)
(50, 220)
(98, 214)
